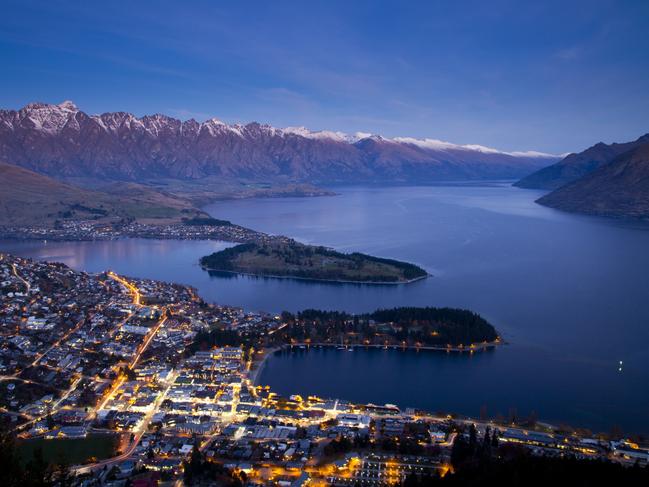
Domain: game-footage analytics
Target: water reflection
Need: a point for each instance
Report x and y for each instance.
(567, 292)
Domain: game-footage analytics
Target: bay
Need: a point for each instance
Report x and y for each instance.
(568, 293)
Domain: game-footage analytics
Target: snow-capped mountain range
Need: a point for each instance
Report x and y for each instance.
(63, 141)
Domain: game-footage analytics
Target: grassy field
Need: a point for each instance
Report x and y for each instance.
(213, 188)
(74, 451)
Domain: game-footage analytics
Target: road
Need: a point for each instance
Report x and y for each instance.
(147, 418)
(57, 343)
(53, 409)
(145, 345)
(136, 439)
(137, 296)
(26, 283)
(136, 300)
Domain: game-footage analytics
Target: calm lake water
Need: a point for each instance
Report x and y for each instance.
(569, 293)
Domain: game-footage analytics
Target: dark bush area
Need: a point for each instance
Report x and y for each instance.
(206, 221)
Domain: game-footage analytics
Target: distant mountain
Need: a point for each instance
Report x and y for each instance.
(574, 166)
(64, 142)
(619, 188)
(28, 198)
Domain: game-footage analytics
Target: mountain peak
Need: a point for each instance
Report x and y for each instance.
(69, 105)
(36, 105)
(617, 188)
(65, 141)
(577, 165)
(643, 138)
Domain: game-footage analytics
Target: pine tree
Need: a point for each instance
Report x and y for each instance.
(486, 442)
(11, 472)
(37, 474)
(473, 437)
(494, 439)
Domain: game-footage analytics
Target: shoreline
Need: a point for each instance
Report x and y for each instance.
(432, 348)
(112, 238)
(253, 375)
(477, 347)
(315, 279)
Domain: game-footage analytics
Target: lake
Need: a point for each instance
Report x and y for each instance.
(568, 293)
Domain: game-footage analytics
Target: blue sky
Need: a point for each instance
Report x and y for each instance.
(543, 75)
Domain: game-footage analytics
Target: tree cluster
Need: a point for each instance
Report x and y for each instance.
(423, 326)
(198, 470)
(34, 473)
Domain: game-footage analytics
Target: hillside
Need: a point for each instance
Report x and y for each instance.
(64, 142)
(28, 198)
(575, 166)
(618, 189)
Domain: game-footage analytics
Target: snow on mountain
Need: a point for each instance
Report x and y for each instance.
(435, 144)
(322, 134)
(61, 141)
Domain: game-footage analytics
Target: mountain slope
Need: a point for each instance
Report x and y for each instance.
(29, 198)
(574, 166)
(619, 188)
(64, 142)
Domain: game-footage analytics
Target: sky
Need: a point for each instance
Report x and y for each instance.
(553, 76)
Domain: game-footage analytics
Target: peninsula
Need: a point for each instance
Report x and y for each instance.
(291, 259)
(430, 328)
(119, 372)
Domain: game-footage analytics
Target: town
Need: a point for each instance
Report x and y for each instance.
(159, 386)
(189, 229)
